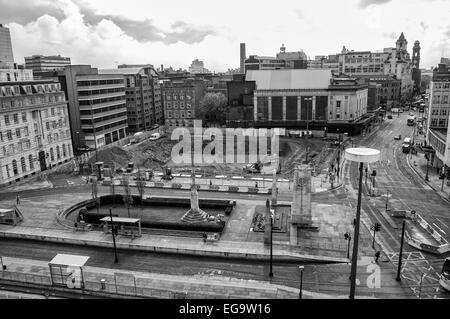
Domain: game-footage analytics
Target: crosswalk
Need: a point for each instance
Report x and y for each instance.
(419, 274)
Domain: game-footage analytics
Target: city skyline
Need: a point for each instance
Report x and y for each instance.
(105, 34)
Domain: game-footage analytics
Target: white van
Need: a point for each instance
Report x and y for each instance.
(407, 140)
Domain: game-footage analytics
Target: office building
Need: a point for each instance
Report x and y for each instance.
(181, 99)
(34, 129)
(6, 52)
(97, 106)
(41, 63)
(283, 60)
(197, 67)
(438, 133)
(143, 95)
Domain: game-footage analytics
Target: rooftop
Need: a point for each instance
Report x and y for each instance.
(290, 79)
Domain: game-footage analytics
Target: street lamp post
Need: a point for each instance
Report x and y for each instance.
(401, 253)
(361, 155)
(301, 282)
(271, 246)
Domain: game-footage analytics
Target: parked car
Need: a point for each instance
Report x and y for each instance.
(397, 137)
(389, 116)
(155, 126)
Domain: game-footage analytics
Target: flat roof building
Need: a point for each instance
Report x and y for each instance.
(97, 106)
(143, 95)
(6, 52)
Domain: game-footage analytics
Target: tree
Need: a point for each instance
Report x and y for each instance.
(140, 184)
(127, 190)
(213, 107)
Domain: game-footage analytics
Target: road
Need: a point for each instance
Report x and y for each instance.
(406, 191)
(315, 277)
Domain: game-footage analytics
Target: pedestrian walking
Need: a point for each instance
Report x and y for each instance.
(18, 199)
(256, 185)
(377, 256)
(210, 182)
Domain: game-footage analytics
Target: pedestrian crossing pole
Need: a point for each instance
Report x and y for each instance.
(401, 253)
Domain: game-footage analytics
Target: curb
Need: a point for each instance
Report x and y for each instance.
(428, 183)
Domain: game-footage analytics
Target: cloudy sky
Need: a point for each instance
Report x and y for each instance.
(105, 33)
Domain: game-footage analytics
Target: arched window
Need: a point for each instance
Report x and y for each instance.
(15, 170)
(23, 164)
(58, 153)
(64, 150)
(52, 155)
(30, 160)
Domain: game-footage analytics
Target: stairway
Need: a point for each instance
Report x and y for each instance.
(195, 216)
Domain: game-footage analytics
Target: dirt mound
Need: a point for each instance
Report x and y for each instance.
(115, 154)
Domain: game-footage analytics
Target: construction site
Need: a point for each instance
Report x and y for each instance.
(155, 155)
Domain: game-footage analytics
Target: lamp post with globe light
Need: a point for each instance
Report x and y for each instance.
(360, 155)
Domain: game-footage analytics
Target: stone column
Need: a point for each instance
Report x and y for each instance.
(299, 107)
(284, 108)
(301, 206)
(269, 99)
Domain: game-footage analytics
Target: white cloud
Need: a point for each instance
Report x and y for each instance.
(138, 31)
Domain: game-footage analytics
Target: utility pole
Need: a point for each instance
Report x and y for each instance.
(401, 253)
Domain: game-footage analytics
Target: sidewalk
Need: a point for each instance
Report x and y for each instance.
(418, 163)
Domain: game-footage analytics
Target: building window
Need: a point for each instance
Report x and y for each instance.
(14, 165)
(52, 111)
(9, 135)
(338, 103)
(7, 119)
(22, 162)
(64, 150)
(58, 152)
(18, 132)
(25, 131)
(16, 118)
(52, 155)
(47, 126)
(24, 117)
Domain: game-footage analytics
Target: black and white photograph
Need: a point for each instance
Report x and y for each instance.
(225, 156)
